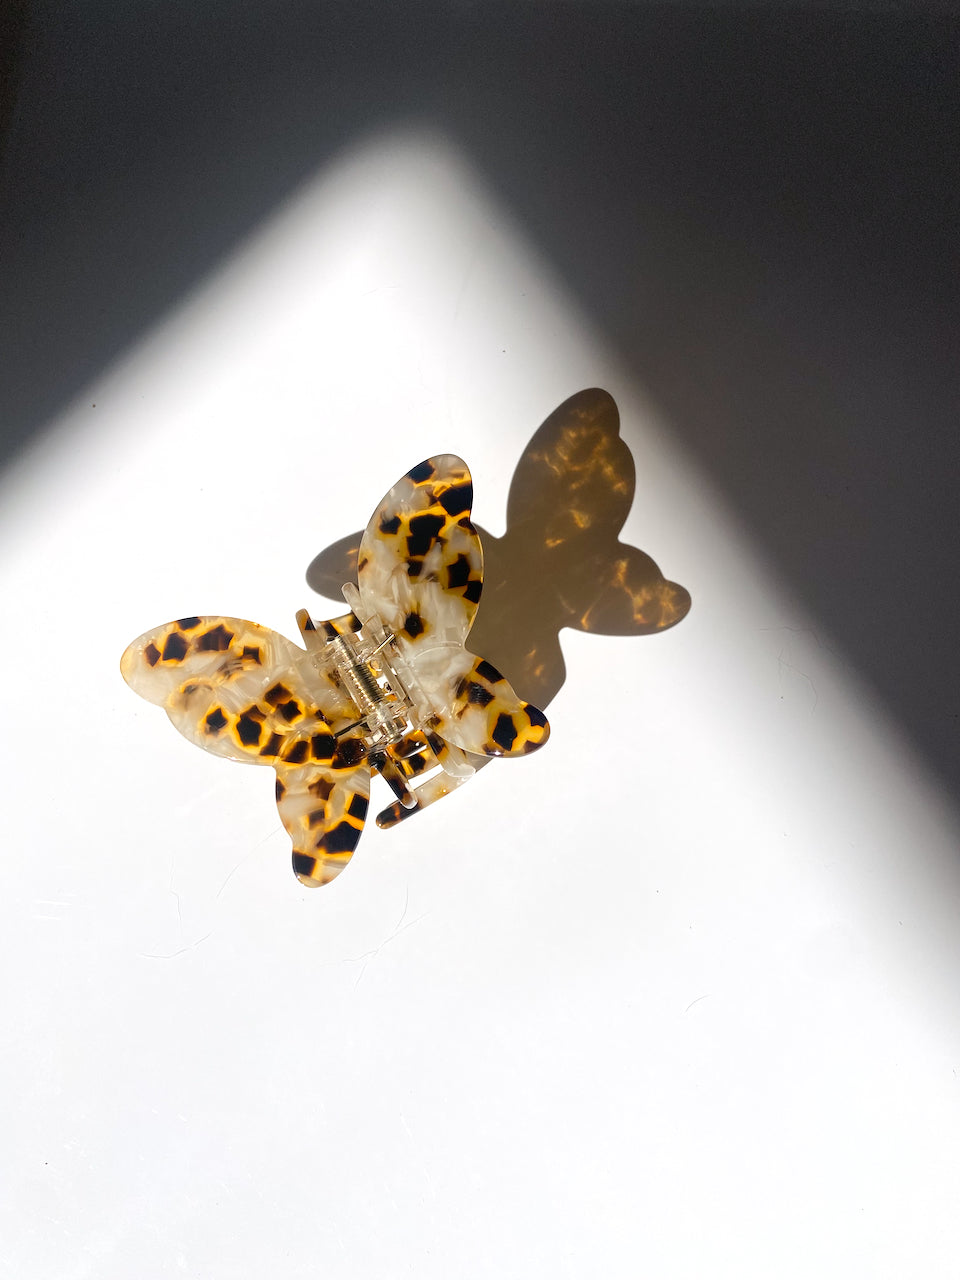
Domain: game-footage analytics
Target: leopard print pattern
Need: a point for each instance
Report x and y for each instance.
(248, 694)
(420, 571)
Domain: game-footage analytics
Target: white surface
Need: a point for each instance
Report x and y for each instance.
(675, 997)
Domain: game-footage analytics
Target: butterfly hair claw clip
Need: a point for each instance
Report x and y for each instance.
(389, 687)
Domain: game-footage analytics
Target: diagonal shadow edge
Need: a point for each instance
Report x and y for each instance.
(814, 476)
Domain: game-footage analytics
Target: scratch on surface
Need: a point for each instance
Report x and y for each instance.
(172, 955)
(705, 996)
(801, 631)
(398, 928)
(782, 662)
(176, 895)
(246, 858)
(66, 903)
(416, 1146)
(464, 284)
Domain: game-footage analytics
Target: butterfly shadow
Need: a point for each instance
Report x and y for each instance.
(560, 562)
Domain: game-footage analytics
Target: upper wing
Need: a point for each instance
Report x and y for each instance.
(420, 566)
(244, 692)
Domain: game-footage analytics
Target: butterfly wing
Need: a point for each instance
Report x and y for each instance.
(249, 694)
(323, 810)
(478, 711)
(420, 568)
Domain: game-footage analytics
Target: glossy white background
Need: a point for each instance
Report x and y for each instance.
(674, 997)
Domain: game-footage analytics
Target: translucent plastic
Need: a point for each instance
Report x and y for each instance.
(388, 687)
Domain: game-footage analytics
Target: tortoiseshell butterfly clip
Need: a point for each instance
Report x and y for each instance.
(388, 687)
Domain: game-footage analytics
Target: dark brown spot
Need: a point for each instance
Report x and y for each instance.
(478, 695)
(414, 625)
(272, 746)
(216, 639)
(472, 590)
(309, 625)
(304, 865)
(215, 721)
(152, 654)
(188, 624)
(315, 817)
(414, 567)
(348, 754)
(279, 693)
(297, 752)
(461, 688)
(488, 671)
(535, 716)
(423, 529)
(389, 525)
(458, 573)
(321, 788)
(504, 732)
(422, 471)
(322, 746)
(362, 564)
(358, 807)
(341, 839)
(457, 499)
(281, 790)
(249, 729)
(290, 710)
(252, 653)
(175, 648)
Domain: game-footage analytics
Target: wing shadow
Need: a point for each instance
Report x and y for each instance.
(560, 562)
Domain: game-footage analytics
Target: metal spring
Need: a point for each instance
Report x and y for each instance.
(360, 680)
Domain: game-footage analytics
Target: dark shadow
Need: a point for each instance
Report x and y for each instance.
(13, 27)
(560, 562)
(757, 207)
